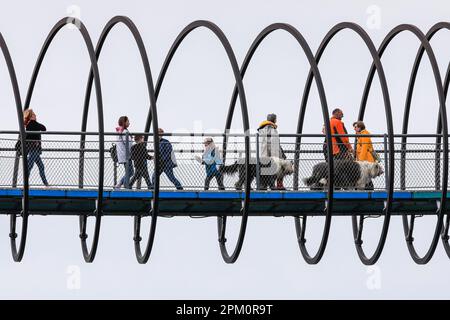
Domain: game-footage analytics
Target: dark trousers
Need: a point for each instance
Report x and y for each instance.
(219, 179)
(169, 173)
(34, 156)
(139, 173)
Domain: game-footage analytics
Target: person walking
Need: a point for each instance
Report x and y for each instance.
(139, 155)
(364, 147)
(270, 144)
(324, 145)
(123, 145)
(33, 143)
(167, 161)
(342, 148)
(211, 158)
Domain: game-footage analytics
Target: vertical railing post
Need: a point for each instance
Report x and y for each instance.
(258, 169)
(386, 162)
(296, 162)
(437, 164)
(115, 173)
(16, 168)
(127, 157)
(403, 164)
(81, 162)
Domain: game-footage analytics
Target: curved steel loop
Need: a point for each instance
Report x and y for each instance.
(433, 30)
(425, 45)
(234, 65)
(89, 255)
(377, 64)
(141, 257)
(309, 55)
(17, 254)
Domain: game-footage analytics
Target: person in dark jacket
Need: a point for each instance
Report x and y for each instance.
(139, 155)
(167, 160)
(33, 142)
(324, 145)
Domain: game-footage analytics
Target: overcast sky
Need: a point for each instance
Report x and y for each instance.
(186, 261)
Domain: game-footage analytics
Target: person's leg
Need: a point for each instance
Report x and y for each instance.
(153, 178)
(208, 181)
(146, 177)
(30, 161)
(219, 178)
(280, 185)
(137, 175)
(128, 174)
(41, 167)
(172, 178)
(122, 180)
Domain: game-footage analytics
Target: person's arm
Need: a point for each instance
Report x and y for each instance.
(340, 129)
(366, 148)
(42, 127)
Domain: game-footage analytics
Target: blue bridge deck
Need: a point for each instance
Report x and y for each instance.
(213, 203)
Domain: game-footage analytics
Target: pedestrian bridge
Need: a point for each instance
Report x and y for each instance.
(74, 166)
(82, 174)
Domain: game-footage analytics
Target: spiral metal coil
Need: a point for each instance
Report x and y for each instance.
(89, 252)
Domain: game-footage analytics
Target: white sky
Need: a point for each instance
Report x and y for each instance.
(186, 261)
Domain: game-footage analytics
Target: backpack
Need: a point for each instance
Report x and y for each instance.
(113, 153)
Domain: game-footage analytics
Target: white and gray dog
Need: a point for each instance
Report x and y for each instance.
(348, 174)
(271, 169)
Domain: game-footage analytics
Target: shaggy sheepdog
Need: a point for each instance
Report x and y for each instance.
(271, 169)
(348, 174)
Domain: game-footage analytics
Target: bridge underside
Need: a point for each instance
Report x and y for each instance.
(213, 203)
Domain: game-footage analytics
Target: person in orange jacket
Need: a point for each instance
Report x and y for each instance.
(342, 149)
(364, 147)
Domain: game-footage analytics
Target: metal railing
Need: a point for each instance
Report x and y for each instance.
(69, 163)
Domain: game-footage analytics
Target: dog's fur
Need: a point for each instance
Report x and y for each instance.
(348, 174)
(271, 169)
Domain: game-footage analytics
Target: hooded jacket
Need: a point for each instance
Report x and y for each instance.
(269, 140)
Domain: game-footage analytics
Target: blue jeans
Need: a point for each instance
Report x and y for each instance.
(125, 180)
(169, 173)
(34, 156)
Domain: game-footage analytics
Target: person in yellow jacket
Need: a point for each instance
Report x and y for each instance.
(364, 147)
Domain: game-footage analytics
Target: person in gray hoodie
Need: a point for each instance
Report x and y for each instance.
(124, 151)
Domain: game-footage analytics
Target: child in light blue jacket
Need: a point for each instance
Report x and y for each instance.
(211, 158)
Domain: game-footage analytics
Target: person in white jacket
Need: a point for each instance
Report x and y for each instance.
(270, 145)
(124, 151)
